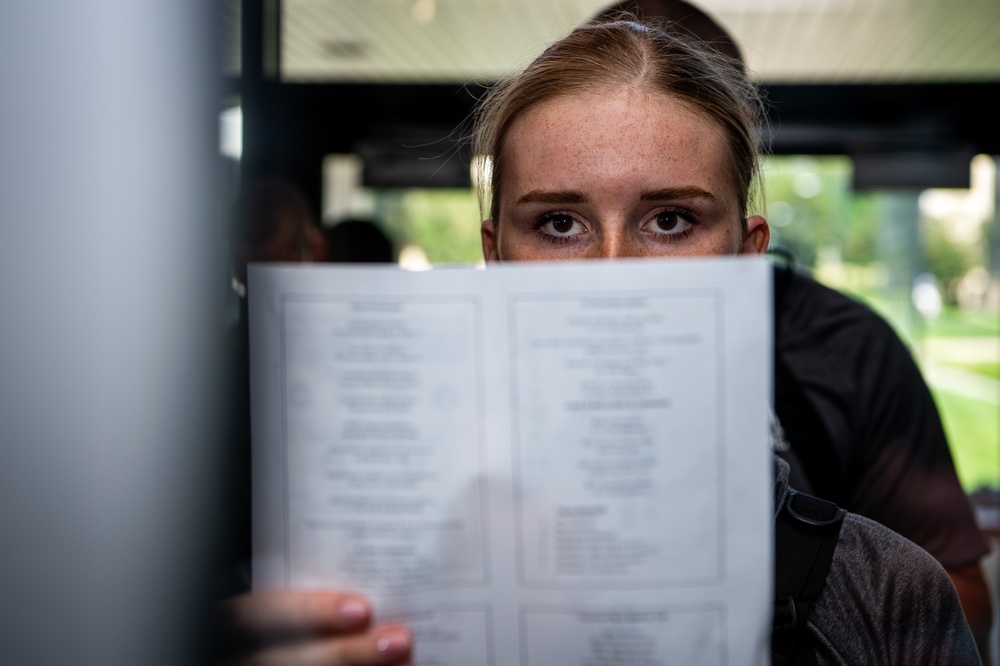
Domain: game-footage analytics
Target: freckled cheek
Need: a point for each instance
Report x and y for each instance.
(727, 241)
(514, 245)
(734, 240)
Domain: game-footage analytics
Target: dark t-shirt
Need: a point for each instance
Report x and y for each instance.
(861, 422)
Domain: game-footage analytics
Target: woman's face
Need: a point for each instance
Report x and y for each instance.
(617, 173)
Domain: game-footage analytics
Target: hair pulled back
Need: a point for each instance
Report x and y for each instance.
(622, 53)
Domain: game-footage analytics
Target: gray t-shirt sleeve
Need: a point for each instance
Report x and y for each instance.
(887, 601)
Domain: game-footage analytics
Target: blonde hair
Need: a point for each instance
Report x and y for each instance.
(616, 53)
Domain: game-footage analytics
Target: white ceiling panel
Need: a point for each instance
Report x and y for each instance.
(785, 41)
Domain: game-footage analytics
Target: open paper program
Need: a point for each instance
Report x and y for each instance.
(532, 464)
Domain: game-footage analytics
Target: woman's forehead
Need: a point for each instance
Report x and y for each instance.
(626, 134)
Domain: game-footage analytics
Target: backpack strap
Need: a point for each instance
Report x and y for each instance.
(806, 534)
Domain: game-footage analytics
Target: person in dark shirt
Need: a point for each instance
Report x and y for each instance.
(860, 424)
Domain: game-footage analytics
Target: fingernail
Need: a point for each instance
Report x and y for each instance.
(393, 642)
(352, 609)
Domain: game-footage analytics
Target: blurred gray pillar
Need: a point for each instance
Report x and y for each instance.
(900, 236)
(107, 387)
(899, 247)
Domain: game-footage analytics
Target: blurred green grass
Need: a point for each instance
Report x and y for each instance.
(954, 322)
(973, 429)
(985, 369)
(972, 426)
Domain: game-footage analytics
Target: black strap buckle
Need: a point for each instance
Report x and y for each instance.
(786, 617)
(814, 520)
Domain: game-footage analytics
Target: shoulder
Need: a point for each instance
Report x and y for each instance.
(808, 312)
(887, 601)
(848, 358)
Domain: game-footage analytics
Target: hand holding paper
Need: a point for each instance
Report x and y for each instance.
(292, 628)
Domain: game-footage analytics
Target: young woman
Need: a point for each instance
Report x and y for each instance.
(622, 140)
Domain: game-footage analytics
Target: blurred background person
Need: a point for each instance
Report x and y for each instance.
(358, 241)
(271, 221)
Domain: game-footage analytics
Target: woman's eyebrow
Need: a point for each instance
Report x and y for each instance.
(573, 197)
(540, 196)
(677, 193)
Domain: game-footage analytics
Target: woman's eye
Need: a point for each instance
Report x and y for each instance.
(669, 222)
(561, 226)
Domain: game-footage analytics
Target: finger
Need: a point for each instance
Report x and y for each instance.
(387, 645)
(270, 616)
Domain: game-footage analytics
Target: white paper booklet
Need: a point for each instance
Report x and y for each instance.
(532, 464)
